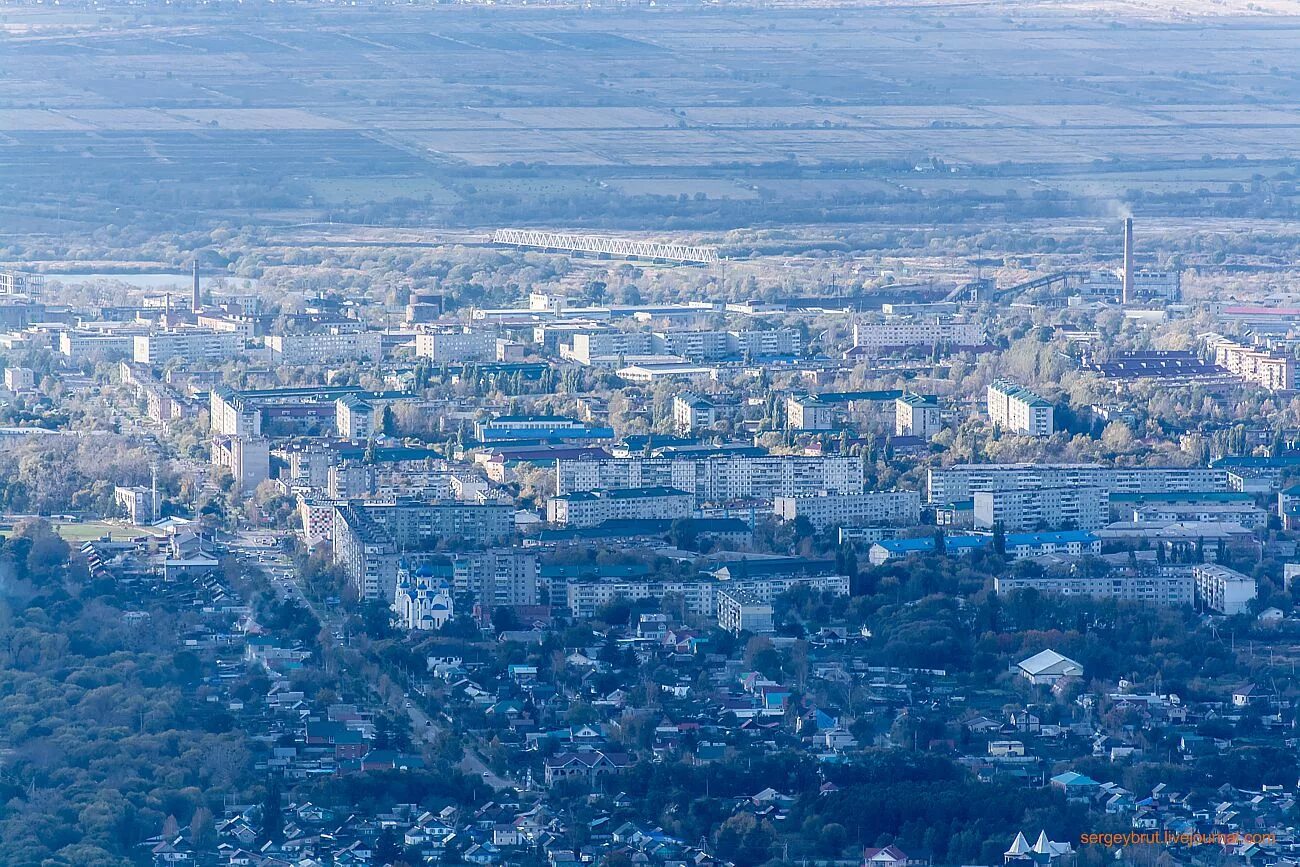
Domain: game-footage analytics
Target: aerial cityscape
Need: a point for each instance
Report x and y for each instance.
(649, 433)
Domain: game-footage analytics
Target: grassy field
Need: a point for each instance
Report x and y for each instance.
(89, 531)
(305, 108)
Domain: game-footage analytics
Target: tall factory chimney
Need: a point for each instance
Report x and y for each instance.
(196, 303)
(1127, 294)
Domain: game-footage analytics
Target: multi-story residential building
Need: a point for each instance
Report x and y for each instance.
(693, 411)
(958, 482)
(20, 378)
(873, 338)
(699, 595)
(739, 611)
(100, 340)
(1078, 508)
(497, 577)
(365, 550)
(1247, 514)
(765, 344)
(917, 415)
(809, 412)
(1071, 543)
(1171, 585)
(718, 478)
(360, 415)
(593, 508)
(456, 346)
(334, 343)
(1222, 590)
(368, 536)
(138, 503)
(317, 518)
(1019, 410)
(608, 345)
(1274, 371)
(354, 417)
(248, 458)
(868, 509)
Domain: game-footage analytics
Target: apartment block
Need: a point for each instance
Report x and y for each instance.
(739, 611)
(1222, 590)
(692, 412)
(958, 482)
(1080, 508)
(917, 415)
(337, 343)
(455, 346)
(1273, 371)
(1019, 410)
(367, 537)
(497, 577)
(699, 595)
(593, 508)
(1153, 586)
(718, 478)
(869, 509)
(873, 338)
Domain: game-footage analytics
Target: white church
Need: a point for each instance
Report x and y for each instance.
(421, 600)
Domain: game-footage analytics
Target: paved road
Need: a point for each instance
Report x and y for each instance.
(252, 548)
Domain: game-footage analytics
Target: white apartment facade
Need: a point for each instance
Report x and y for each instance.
(1080, 508)
(868, 509)
(1171, 586)
(718, 478)
(1019, 410)
(455, 346)
(333, 344)
(874, 337)
(1222, 590)
(958, 482)
(593, 508)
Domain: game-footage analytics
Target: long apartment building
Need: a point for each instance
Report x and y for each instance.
(607, 345)
(1079, 508)
(191, 345)
(453, 346)
(331, 344)
(593, 508)
(868, 509)
(1173, 585)
(959, 482)
(1015, 408)
(717, 478)
(872, 338)
(699, 594)
(1273, 371)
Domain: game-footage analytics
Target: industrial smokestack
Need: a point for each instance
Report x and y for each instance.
(1127, 294)
(195, 301)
